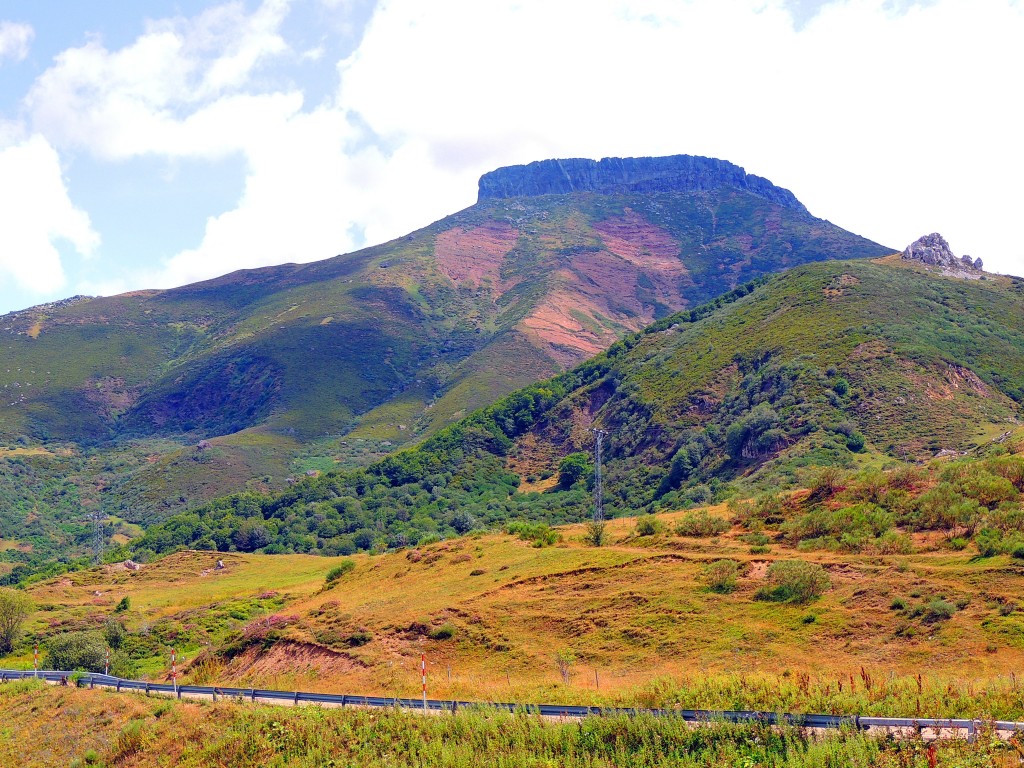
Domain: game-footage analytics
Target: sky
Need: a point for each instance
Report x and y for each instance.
(159, 142)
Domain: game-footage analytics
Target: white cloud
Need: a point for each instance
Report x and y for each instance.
(166, 93)
(15, 40)
(892, 123)
(35, 213)
(888, 122)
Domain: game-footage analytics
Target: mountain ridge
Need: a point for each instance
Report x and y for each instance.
(618, 175)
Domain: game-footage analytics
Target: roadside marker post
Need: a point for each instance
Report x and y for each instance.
(106, 663)
(174, 672)
(423, 671)
(35, 661)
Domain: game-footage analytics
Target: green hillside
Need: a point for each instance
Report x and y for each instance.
(859, 366)
(153, 401)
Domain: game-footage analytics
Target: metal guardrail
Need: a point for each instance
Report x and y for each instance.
(970, 727)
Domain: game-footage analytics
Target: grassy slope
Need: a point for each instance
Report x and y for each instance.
(387, 344)
(852, 364)
(101, 728)
(634, 611)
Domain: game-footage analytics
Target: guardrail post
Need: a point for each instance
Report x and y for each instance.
(296, 702)
(254, 694)
(118, 686)
(972, 733)
(344, 699)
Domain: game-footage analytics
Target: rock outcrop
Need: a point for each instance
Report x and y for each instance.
(629, 175)
(934, 250)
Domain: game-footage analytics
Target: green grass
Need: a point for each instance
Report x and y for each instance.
(113, 729)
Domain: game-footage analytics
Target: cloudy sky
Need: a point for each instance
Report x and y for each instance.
(158, 142)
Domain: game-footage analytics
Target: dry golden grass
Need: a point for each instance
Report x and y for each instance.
(631, 613)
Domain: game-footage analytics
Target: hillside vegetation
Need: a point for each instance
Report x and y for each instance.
(850, 366)
(717, 608)
(154, 401)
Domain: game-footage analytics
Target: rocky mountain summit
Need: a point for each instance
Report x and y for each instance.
(934, 250)
(629, 175)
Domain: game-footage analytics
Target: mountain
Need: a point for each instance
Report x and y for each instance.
(150, 401)
(859, 364)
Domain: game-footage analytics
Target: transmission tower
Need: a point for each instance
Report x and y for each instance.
(98, 520)
(600, 434)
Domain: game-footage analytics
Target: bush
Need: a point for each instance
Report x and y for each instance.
(701, 524)
(938, 610)
(539, 533)
(358, 638)
(123, 605)
(720, 576)
(445, 632)
(84, 651)
(988, 542)
(338, 571)
(648, 525)
(113, 633)
(596, 535)
(794, 581)
(899, 604)
(1019, 552)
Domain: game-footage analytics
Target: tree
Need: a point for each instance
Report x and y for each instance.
(574, 468)
(15, 607)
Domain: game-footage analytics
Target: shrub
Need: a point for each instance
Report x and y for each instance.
(648, 525)
(720, 576)
(855, 442)
(701, 524)
(76, 651)
(1018, 552)
(338, 571)
(988, 542)
(123, 605)
(794, 581)
(760, 549)
(898, 604)
(938, 610)
(958, 544)
(445, 632)
(358, 638)
(892, 543)
(539, 533)
(1006, 609)
(113, 633)
(596, 534)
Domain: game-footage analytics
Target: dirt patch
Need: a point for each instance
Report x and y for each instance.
(475, 256)
(644, 245)
(292, 657)
(757, 570)
(838, 286)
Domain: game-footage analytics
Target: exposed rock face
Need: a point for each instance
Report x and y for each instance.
(620, 175)
(933, 249)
